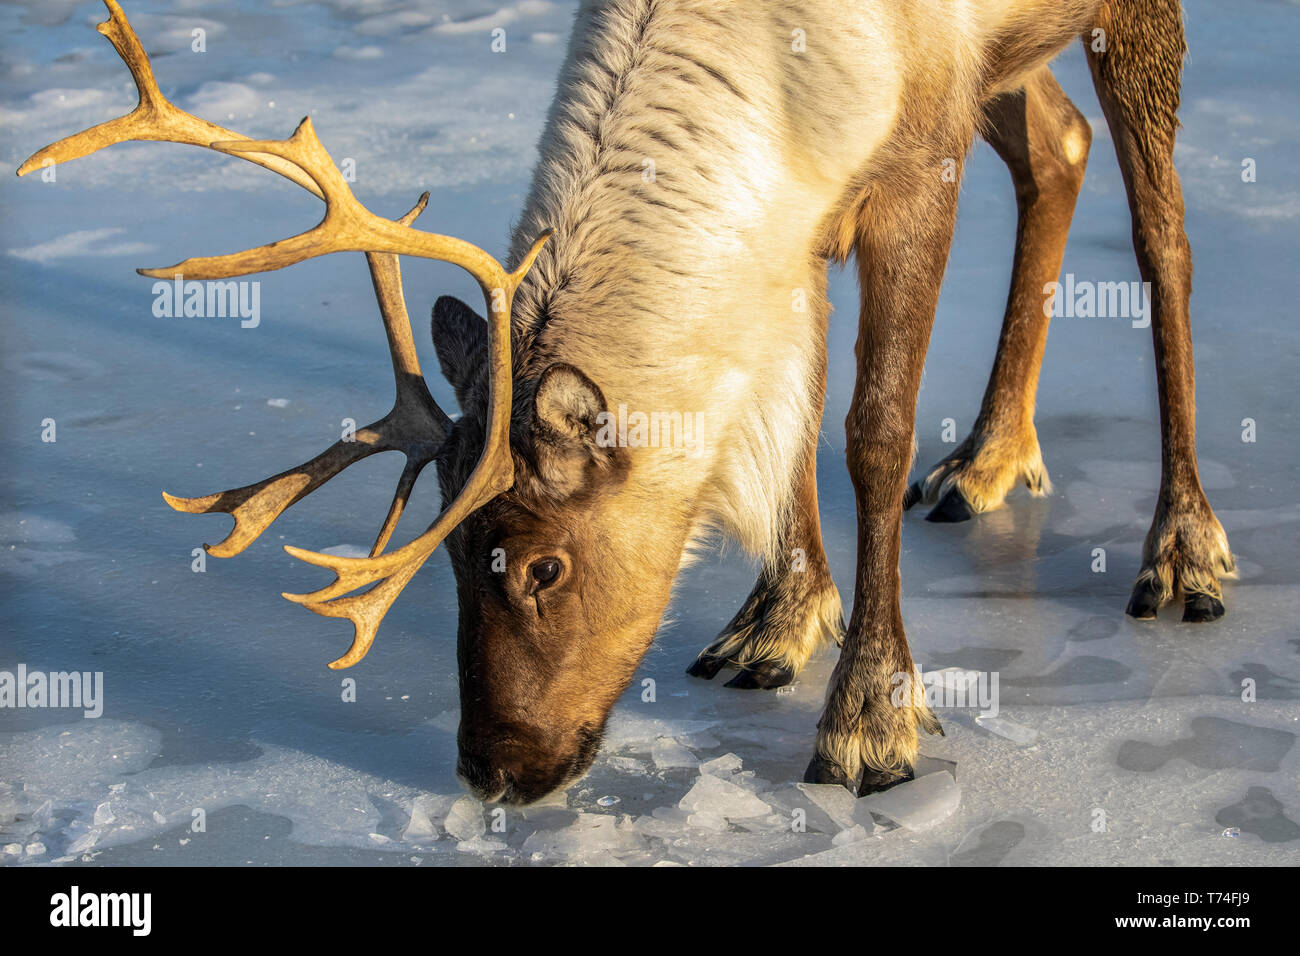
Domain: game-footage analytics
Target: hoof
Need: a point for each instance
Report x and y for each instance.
(821, 770)
(763, 677)
(1200, 608)
(950, 509)
(1144, 602)
(874, 781)
(706, 667)
(912, 495)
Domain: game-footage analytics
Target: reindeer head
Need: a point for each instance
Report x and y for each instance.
(556, 607)
(558, 593)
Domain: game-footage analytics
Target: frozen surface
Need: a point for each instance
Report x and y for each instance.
(1114, 742)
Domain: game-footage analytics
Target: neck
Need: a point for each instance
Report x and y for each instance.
(684, 273)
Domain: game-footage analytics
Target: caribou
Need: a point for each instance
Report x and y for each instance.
(701, 165)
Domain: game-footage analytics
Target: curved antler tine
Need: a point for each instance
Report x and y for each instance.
(366, 612)
(154, 117)
(418, 208)
(530, 257)
(317, 241)
(403, 493)
(415, 426)
(254, 507)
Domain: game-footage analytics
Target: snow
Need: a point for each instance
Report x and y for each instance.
(226, 740)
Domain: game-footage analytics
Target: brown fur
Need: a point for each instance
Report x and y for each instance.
(901, 242)
(1044, 140)
(534, 695)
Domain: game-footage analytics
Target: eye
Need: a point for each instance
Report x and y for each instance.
(545, 571)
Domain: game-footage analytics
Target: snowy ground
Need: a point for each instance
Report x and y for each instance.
(216, 693)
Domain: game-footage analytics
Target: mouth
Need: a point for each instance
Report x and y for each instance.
(498, 786)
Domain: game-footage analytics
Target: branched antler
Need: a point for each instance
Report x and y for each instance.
(415, 426)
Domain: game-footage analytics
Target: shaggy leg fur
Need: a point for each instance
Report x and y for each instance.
(1137, 79)
(1044, 141)
(867, 736)
(793, 609)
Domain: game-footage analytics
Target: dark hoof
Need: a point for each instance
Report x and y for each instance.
(706, 667)
(950, 509)
(874, 781)
(912, 495)
(1200, 608)
(762, 677)
(821, 770)
(1145, 601)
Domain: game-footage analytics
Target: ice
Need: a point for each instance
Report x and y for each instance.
(838, 803)
(1016, 733)
(465, 819)
(628, 764)
(216, 693)
(918, 804)
(855, 834)
(713, 797)
(592, 838)
(668, 754)
(708, 820)
(425, 810)
(637, 730)
(724, 766)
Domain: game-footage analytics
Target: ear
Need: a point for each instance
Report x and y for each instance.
(461, 340)
(570, 425)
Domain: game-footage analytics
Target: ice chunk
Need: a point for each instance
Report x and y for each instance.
(854, 834)
(427, 810)
(723, 766)
(833, 800)
(420, 827)
(628, 764)
(480, 845)
(83, 842)
(465, 819)
(592, 838)
(629, 730)
(668, 754)
(918, 804)
(798, 813)
(104, 814)
(714, 796)
(13, 849)
(706, 820)
(1017, 733)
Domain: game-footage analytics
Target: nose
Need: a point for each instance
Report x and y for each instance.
(485, 780)
(515, 770)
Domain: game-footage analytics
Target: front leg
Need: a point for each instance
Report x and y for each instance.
(867, 736)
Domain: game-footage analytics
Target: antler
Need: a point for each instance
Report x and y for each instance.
(415, 426)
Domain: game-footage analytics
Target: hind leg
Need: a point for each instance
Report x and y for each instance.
(1044, 140)
(794, 606)
(1137, 81)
